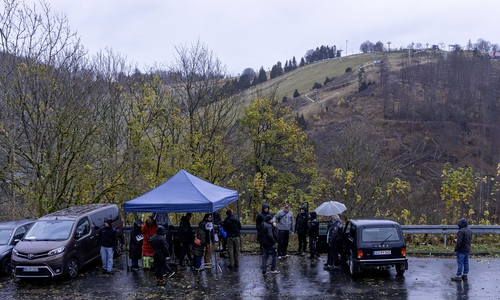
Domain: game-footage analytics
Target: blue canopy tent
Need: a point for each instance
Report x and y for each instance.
(183, 192)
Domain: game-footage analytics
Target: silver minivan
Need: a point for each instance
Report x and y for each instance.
(61, 243)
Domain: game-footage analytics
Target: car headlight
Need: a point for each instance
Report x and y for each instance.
(56, 251)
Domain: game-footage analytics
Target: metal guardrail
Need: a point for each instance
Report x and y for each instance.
(412, 229)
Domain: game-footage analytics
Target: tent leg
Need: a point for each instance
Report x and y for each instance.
(127, 240)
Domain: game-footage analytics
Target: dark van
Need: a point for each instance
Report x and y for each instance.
(374, 244)
(61, 243)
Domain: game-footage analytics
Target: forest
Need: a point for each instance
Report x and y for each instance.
(78, 129)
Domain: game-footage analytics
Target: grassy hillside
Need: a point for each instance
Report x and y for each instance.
(418, 146)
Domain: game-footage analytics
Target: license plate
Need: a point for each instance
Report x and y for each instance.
(30, 269)
(382, 252)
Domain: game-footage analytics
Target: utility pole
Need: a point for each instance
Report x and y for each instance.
(345, 47)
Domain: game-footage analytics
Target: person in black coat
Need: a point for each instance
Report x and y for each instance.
(160, 248)
(313, 232)
(268, 239)
(334, 240)
(301, 230)
(135, 245)
(260, 219)
(232, 226)
(186, 238)
(462, 248)
(107, 239)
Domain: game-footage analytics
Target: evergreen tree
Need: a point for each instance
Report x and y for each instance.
(262, 75)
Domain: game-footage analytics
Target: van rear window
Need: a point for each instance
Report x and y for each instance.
(53, 230)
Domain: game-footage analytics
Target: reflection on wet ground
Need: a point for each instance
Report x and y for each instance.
(300, 278)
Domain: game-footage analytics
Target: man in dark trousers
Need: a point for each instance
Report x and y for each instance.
(107, 239)
(186, 238)
(284, 222)
(232, 227)
(313, 232)
(260, 219)
(462, 248)
(135, 245)
(301, 230)
(334, 238)
(268, 239)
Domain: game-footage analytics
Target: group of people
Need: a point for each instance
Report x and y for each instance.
(278, 228)
(150, 240)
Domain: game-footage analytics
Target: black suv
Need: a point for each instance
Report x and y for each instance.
(378, 244)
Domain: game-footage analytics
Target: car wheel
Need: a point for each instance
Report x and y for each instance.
(400, 270)
(72, 268)
(6, 267)
(119, 248)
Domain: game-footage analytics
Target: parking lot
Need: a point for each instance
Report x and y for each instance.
(300, 277)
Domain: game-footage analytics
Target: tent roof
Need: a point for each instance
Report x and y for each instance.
(183, 192)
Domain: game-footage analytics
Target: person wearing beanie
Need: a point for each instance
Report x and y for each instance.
(313, 232)
(334, 239)
(260, 219)
(135, 244)
(107, 239)
(160, 249)
(232, 227)
(268, 238)
(284, 223)
(301, 230)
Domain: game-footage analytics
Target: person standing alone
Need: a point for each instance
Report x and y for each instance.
(284, 224)
(232, 227)
(462, 248)
(107, 240)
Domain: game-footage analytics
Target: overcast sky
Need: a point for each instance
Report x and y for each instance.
(259, 33)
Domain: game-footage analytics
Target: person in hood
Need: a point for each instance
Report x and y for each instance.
(268, 239)
(148, 230)
(160, 249)
(301, 230)
(334, 238)
(462, 248)
(260, 219)
(107, 239)
(135, 245)
(313, 232)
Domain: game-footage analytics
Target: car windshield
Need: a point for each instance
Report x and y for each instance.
(53, 230)
(379, 234)
(5, 236)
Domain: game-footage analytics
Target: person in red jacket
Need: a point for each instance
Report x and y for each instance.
(148, 230)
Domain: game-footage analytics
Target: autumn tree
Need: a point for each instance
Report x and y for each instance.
(198, 83)
(51, 121)
(278, 163)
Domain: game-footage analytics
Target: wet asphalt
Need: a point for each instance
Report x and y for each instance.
(300, 278)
